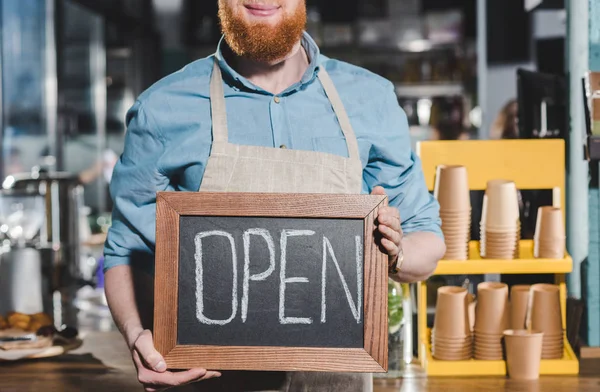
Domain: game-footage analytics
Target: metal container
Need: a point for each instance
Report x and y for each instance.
(57, 245)
(63, 196)
(25, 285)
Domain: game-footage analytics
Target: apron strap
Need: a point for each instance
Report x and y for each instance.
(340, 112)
(217, 106)
(219, 112)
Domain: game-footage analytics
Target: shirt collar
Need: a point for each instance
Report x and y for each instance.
(234, 78)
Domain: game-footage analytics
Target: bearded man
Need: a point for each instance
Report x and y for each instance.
(266, 113)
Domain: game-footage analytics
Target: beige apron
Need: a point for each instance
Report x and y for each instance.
(236, 168)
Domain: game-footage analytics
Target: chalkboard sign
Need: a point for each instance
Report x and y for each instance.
(270, 282)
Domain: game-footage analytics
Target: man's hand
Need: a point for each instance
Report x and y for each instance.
(152, 369)
(388, 225)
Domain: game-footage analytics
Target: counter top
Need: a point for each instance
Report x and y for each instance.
(103, 364)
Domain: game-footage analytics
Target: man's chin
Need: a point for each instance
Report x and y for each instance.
(262, 38)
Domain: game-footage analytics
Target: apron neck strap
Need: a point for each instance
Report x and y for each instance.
(340, 112)
(219, 112)
(217, 106)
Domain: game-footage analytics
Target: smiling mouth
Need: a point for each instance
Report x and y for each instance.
(262, 9)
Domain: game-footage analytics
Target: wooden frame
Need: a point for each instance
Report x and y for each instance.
(171, 205)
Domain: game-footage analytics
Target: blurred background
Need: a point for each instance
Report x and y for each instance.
(70, 70)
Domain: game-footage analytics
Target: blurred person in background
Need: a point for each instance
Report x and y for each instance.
(267, 97)
(506, 124)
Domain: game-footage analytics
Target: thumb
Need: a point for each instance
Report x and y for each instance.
(378, 190)
(145, 348)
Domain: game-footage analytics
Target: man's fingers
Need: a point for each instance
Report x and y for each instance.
(390, 247)
(390, 234)
(389, 217)
(211, 374)
(378, 190)
(185, 377)
(148, 354)
(159, 381)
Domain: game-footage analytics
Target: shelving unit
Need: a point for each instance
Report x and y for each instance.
(525, 264)
(532, 164)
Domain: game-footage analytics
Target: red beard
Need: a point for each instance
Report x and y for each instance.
(259, 41)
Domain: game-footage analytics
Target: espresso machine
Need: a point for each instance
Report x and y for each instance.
(40, 267)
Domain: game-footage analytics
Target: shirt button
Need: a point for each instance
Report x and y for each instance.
(283, 146)
(276, 99)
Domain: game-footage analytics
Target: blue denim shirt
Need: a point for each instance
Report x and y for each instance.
(168, 142)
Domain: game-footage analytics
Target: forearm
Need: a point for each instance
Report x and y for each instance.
(422, 251)
(120, 293)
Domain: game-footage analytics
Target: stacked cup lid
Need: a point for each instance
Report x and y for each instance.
(491, 320)
(452, 193)
(549, 238)
(500, 224)
(544, 315)
(451, 338)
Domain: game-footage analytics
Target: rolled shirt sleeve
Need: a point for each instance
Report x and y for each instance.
(394, 166)
(136, 179)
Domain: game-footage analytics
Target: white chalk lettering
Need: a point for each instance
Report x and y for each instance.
(257, 277)
(200, 278)
(283, 280)
(355, 309)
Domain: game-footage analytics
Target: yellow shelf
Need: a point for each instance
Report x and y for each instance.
(531, 164)
(567, 365)
(525, 264)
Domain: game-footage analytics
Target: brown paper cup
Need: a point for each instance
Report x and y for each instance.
(452, 188)
(554, 249)
(491, 312)
(451, 317)
(523, 354)
(502, 206)
(519, 300)
(544, 312)
(551, 224)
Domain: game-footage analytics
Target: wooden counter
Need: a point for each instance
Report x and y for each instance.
(103, 364)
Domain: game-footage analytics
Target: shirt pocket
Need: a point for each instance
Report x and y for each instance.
(332, 145)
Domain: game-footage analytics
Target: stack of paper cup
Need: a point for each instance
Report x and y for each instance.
(500, 224)
(491, 320)
(452, 192)
(544, 315)
(451, 338)
(549, 238)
